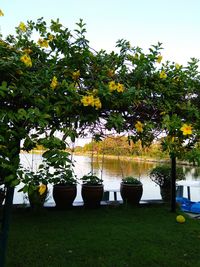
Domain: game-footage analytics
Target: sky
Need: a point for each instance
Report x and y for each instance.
(174, 23)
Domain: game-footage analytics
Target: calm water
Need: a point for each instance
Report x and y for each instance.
(111, 171)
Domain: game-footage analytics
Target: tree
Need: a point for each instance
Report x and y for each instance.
(58, 83)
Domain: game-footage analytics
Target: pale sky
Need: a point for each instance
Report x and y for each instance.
(175, 23)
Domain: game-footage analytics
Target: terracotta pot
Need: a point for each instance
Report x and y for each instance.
(64, 195)
(131, 193)
(92, 195)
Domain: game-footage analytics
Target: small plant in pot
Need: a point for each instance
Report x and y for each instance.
(92, 190)
(62, 177)
(131, 190)
(35, 185)
(161, 175)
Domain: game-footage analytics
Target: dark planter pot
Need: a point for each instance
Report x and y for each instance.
(92, 195)
(131, 193)
(36, 200)
(64, 195)
(165, 192)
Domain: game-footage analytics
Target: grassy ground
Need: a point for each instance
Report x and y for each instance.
(108, 237)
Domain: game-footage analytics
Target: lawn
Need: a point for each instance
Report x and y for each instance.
(122, 236)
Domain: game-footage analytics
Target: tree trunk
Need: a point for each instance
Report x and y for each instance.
(13, 146)
(173, 183)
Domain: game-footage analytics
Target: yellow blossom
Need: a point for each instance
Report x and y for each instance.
(42, 189)
(22, 27)
(139, 127)
(1, 13)
(177, 66)
(97, 103)
(111, 73)
(159, 59)
(88, 100)
(27, 51)
(43, 43)
(26, 60)
(186, 129)
(50, 37)
(112, 86)
(120, 88)
(163, 75)
(54, 83)
(76, 75)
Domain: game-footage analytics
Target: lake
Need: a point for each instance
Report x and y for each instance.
(111, 171)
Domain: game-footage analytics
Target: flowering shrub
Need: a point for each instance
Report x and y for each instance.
(57, 82)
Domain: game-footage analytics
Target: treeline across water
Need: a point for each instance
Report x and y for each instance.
(120, 146)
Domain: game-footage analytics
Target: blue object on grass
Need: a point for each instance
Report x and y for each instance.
(188, 205)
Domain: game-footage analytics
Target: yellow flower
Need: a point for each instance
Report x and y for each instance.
(111, 73)
(43, 43)
(27, 51)
(42, 189)
(163, 75)
(1, 13)
(112, 86)
(159, 59)
(139, 127)
(76, 75)
(186, 129)
(26, 60)
(97, 103)
(177, 66)
(120, 88)
(54, 83)
(22, 27)
(88, 100)
(50, 37)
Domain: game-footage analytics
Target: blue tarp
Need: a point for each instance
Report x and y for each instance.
(188, 205)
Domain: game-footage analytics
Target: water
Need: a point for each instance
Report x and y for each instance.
(111, 171)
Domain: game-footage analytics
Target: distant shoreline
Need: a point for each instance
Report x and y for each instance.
(138, 159)
(122, 157)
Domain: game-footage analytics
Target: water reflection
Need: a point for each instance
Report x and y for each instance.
(111, 170)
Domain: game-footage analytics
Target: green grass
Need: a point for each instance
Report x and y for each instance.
(107, 237)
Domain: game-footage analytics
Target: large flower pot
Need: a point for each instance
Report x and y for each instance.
(36, 199)
(64, 195)
(92, 195)
(131, 193)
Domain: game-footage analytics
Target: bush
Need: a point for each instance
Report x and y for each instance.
(161, 175)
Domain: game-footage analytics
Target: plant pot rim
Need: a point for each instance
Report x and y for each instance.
(62, 185)
(91, 185)
(129, 184)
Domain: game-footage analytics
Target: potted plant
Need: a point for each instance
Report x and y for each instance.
(62, 177)
(64, 188)
(161, 175)
(92, 190)
(35, 185)
(131, 190)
